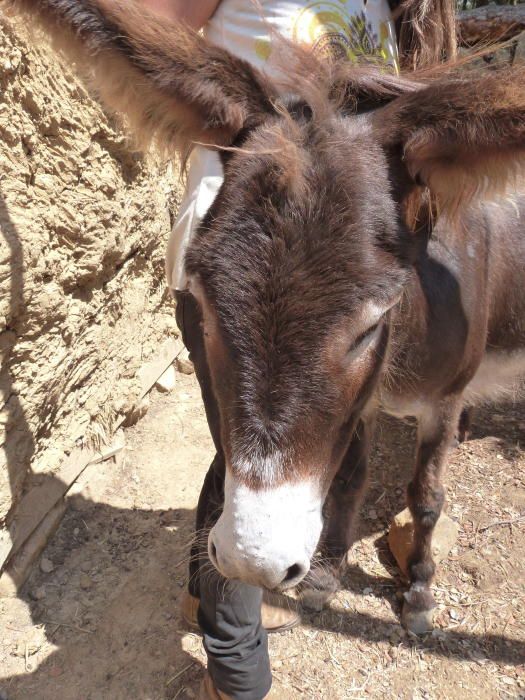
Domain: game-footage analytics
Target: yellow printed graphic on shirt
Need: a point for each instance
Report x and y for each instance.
(341, 30)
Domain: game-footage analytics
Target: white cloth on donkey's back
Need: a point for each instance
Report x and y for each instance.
(247, 28)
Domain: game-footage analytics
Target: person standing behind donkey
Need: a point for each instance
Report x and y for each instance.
(403, 34)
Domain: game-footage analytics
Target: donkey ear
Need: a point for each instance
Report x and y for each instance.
(461, 138)
(169, 83)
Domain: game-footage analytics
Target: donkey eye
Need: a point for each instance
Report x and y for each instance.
(361, 340)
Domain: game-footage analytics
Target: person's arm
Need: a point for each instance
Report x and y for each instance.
(194, 13)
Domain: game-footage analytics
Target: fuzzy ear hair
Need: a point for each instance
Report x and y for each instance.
(170, 84)
(461, 138)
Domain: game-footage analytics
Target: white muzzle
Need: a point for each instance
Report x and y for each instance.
(267, 537)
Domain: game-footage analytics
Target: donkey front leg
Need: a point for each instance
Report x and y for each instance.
(346, 493)
(426, 495)
(342, 506)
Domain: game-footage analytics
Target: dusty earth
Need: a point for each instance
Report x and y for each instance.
(99, 617)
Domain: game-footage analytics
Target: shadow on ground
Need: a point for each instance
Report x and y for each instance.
(111, 608)
(114, 619)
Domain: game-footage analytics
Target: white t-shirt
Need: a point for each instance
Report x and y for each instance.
(247, 28)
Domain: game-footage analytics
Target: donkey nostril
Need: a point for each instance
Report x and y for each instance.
(293, 572)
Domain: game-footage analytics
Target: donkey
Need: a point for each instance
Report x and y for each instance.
(345, 267)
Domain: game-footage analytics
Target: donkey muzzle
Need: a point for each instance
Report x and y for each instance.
(266, 537)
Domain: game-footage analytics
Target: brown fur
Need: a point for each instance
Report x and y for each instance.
(463, 138)
(176, 89)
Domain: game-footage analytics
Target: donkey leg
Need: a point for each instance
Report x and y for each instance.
(342, 505)
(465, 424)
(425, 499)
(347, 492)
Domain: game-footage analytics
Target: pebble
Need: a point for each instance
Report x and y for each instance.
(367, 590)
(85, 582)
(38, 593)
(167, 381)
(372, 514)
(184, 364)
(508, 680)
(46, 565)
(478, 657)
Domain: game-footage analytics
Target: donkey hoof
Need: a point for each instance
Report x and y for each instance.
(417, 621)
(315, 601)
(417, 615)
(320, 586)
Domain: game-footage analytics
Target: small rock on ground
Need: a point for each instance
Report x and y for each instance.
(46, 565)
(166, 382)
(138, 411)
(85, 582)
(401, 533)
(184, 364)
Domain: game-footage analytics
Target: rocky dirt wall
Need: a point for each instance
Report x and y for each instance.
(83, 304)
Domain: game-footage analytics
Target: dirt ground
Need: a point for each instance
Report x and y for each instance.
(99, 618)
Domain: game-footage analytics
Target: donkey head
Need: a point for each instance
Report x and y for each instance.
(295, 269)
(306, 248)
